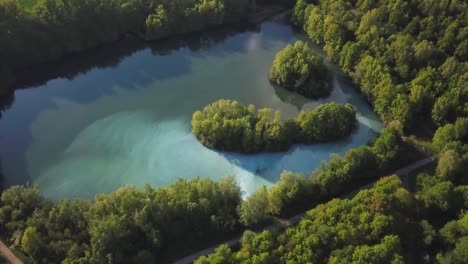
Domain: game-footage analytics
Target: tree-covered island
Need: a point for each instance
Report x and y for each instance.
(297, 69)
(230, 126)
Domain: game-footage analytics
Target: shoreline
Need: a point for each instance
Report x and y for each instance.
(124, 46)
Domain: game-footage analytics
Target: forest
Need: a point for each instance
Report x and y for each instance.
(365, 229)
(407, 58)
(60, 27)
(421, 222)
(230, 126)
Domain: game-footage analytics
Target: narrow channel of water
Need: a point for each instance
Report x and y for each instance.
(130, 123)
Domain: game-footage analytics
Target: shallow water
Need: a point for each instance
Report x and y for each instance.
(130, 123)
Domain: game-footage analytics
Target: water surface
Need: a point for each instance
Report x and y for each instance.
(130, 123)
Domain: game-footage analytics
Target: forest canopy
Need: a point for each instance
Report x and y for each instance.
(231, 126)
(297, 69)
(409, 58)
(365, 229)
(57, 27)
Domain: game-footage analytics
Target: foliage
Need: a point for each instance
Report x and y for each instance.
(17, 205)
(170, 17)
(296, 68)
(365, 229)
(294, 192)
(228, 125)
(451, 133)
(327, 122)
(443, 198)
(408, 57)
(359, 164)
(58, 27)
(130, 225)
(254, 210)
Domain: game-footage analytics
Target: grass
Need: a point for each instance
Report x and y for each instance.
(27, 4)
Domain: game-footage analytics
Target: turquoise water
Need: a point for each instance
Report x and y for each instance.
(130, 123)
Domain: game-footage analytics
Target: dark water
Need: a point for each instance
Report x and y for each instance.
(125, 118)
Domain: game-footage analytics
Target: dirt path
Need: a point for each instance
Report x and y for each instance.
(6, 252)
(403, 173)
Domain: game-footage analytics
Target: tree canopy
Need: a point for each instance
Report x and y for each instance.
(365, 229)
(409, 58)
(58, 27)
(228, 125)
(296, 68)
(130, 225)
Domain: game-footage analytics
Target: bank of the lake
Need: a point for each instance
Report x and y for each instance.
(129, 123)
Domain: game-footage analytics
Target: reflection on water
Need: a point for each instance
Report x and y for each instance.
(130, 124)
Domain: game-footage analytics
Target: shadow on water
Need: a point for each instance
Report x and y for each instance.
(257, 164)
(304, 158)
(290, 97)
(112, 55)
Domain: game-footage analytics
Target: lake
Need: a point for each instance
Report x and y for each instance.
(128, 122)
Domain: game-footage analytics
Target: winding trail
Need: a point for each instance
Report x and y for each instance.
(6, 252)
(402, 172)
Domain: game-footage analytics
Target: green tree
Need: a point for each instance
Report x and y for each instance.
(297, 69)
(254, 210)
(449, 165)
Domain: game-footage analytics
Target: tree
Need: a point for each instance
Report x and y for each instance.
(223, 254)
(17, 204)
(228, 125)
(450, 133)
(157, 24)
(254, 210)
(386, 147)
(297, 69)
(327, 122)
(438, 198)
(449, 165)
(340, 231)
(31, 242)
(314, 25)
(428, 232)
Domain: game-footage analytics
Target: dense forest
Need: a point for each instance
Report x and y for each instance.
(297, 69)
(409, 58)
(127, 226)
(365, 229)
(427, 223)
(59, 27)
(231, 126)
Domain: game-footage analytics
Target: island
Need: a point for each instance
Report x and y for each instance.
(230, 126)
(297, 69)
